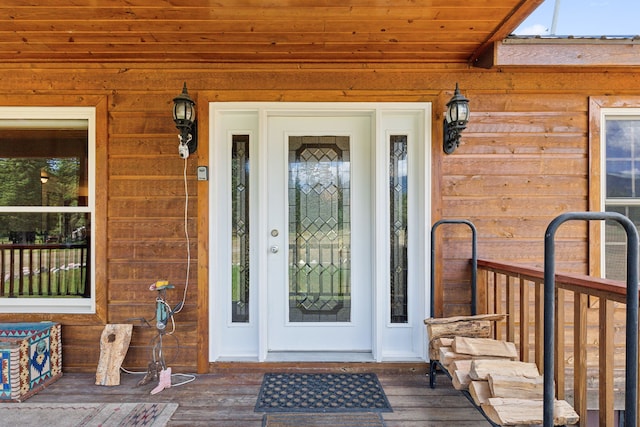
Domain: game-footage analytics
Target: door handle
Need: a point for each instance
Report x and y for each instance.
(274, 249)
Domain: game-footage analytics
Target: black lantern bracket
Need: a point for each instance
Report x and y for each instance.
(455, 121)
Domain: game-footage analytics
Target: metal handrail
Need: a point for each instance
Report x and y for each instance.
(631, 374)
(474, 261)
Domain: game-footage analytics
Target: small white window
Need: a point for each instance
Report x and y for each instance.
(47, 164)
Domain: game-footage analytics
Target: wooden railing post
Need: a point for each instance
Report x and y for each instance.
(559, 345)
(539, 325)
(482, 293)
(580, 356)
(524, 320)
(605, 378)
(511, 308)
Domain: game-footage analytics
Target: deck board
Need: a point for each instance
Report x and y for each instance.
(228, 399)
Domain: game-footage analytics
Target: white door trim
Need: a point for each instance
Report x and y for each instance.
(389, 341)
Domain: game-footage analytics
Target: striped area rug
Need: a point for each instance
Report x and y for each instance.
(87, 414)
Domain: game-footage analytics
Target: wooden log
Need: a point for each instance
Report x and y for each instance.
(442, 342)
(444, 320)
(517, 387)
(479, 392)
(484, 347)
(460, 380)
(471, 328)
(436, 344)
(447, 356)
(512, 412)
(114, 343)
(476, 328)
(459, 365)
(482, 368)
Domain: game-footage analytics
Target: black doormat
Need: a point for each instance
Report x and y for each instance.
(301, 392)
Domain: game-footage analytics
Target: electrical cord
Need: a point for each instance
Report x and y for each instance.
(178, 308)
(156, 341)
(190, 377)
(186, 235)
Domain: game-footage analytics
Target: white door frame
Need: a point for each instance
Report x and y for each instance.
(390, 342)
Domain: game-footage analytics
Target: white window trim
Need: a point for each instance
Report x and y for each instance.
(59, 305)
(605, 114)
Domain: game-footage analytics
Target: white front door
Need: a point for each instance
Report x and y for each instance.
(318, 223)
(319, 283)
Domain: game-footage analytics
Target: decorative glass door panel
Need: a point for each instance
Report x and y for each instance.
(319, 229)
(318, 180)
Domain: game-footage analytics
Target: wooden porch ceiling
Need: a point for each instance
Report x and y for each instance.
(301, 31)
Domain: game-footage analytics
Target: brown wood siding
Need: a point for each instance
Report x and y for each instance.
(523, 160)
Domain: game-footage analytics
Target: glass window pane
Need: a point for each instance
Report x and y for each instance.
(50, 263)
(398, 192)
(620, 176)
(44, 166)
(240, 267)
(622, 141)
(319, 229)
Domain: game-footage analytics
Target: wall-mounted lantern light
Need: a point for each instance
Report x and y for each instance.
(455, 120)
(44, 176)
(184, 115)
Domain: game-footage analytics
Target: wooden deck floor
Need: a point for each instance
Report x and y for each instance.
(227, 397)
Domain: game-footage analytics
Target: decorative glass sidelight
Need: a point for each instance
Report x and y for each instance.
(319, 229)
(398, 192)
(240, 229)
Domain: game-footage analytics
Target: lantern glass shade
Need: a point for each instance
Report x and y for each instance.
(184, 112)
(458, 112)
(44, 176)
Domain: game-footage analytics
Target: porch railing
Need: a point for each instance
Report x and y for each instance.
(589, 330)
(44, 270)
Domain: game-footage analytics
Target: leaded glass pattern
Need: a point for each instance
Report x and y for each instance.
(398, 193)
(240, 229)
(319, 229)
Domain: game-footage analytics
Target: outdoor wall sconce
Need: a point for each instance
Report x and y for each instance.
(455, 120)
(44, 176)
(184, 115)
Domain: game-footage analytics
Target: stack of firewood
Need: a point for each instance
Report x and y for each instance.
(509, 392)
(441, 331)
